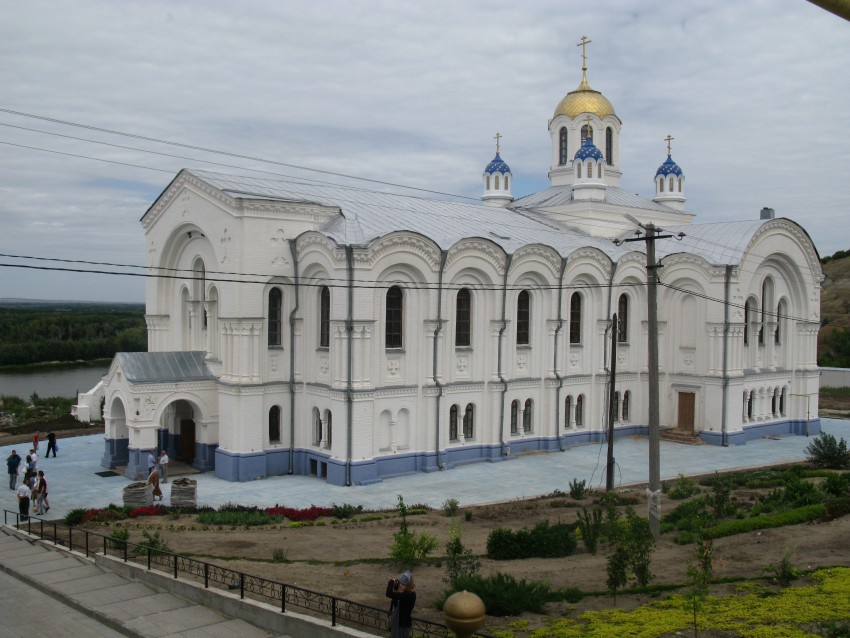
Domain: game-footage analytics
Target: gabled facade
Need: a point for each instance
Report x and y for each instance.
(354, 335)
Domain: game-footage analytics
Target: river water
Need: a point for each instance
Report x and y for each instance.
(65, 382)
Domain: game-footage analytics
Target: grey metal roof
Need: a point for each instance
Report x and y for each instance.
(562, 196)
(367, 215)
(720, 243)
(163, 367)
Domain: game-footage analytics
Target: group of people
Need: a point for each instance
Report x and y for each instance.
(157, 468)
(33, 489)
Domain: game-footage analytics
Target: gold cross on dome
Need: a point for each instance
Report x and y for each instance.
(669, 139)
(583, 44)
(497, 138)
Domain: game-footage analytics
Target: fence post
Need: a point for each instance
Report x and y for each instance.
(333, 612)
(206, 575)
(55, 534)
(70, 538)
(149, 557)
(282, 598)
(41, 528)
(175, 565)
(241, 585)
(104, 545)
(125, 549)
(87, 543)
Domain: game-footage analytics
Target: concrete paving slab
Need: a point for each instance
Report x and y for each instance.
(176, 621)
(58, 563)
(71, 574)
(226, 629)
(75, 484)
(143, 606)
(101, 580)
(121, 593)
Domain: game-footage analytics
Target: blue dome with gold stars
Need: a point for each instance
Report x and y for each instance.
(498, 165)
(669, 167)
(588, 150)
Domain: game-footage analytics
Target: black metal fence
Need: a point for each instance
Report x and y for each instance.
(339, 611)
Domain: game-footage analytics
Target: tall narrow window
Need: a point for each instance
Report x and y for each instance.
(395, 318)
(523, 318)
(616, 407)
(609, 146)
(488, 182)
(469, 421)
(496, 182)
(274, 424)
(325, 317)
(773, 398)
(599, 170)
(623, 319)
(463, 318)
(514, 417)
(329, 428)
(507, 183)
(781, 311)
(275, 324)
(661, 185)
(580, 410)
(671, 185)
(317, 426)
(527, 416)
(782, 398)
(586, 133)
(568, 406)
(453, 423)
(575, 318)
(578, 170)
(627, 399)
(747, 323)
(564, 153)
(680, 184)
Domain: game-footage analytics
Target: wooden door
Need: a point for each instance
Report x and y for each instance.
(687, 402)
(187, 440)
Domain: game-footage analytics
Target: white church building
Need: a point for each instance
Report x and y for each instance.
(355, 335)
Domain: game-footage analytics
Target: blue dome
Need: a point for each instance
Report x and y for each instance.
(669, 167)
(588, 151)
(498, 166)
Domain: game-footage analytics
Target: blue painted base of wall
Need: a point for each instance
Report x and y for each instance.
(755, 431)
(137, 464)
(204, 457)
(115, 453)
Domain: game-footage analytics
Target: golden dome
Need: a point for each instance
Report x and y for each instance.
(584, 100)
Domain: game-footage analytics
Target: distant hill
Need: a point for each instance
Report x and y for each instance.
(63, 304)
(834, 337)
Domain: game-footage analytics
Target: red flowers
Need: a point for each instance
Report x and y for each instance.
(309, 514)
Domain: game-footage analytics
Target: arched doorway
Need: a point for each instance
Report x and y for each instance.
(178, 433)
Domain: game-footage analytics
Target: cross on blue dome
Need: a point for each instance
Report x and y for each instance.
(498, 165)
(669, 167)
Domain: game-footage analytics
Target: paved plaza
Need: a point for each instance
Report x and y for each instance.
(74, 482)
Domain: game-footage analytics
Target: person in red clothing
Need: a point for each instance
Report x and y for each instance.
(35, 441)
(402, 592)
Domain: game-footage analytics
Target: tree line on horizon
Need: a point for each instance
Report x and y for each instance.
(64, 333)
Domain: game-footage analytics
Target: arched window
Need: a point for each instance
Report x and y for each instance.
(661, 185)
(671, 185)
(496, 181)
(275, 323)
(627, 399)
(507, 183)
(575, 318)
(488, 182)
(274, 424)
(781, 312)
(773, 398)
(394, 330)
(616, 407)
(609, 146)
(623, 319)
(329, 428)
(563, 153)
(578, 170)
(599, 170)
(586, 133)
(766, 303)
(589, 169)
(463, 318)
(469, 421)
(523, 318)
(324, 317)
(782, 398)
(526, 416)
(680, 184)
(514, 417)
(453, 423)
(747, 322)
(317, 427)
(568, 406)
(580, 411)
(750, 406)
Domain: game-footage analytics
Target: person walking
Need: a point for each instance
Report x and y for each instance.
(23, 495)
(51, 444)
(153, 479)
(41, 502)
(13, 462)
(151, 461)
(35, 441)
(402, 592)
(163, 466)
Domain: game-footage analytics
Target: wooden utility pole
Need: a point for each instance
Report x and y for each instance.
(612, 407)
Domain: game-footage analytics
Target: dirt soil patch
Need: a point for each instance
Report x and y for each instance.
(351, 560)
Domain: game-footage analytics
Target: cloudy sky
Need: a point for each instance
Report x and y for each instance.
(755, 93)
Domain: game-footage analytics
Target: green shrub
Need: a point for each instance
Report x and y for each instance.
(578, 489)
(688, 515)
(834, 484)
(783, 573)
(451, 506)
(683, 488)
(780, 519)
(460, 561)
(591, 528)
(544, 540)
(346, 510)
(75, 516)
(837, 507)
(826, 451)
(279, 555)
(410, 549)
(118, 539)
(504, 595)
(153, 541)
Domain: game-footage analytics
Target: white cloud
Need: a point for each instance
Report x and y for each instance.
(755, 93)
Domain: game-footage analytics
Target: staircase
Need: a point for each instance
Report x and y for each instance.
(678, 435)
